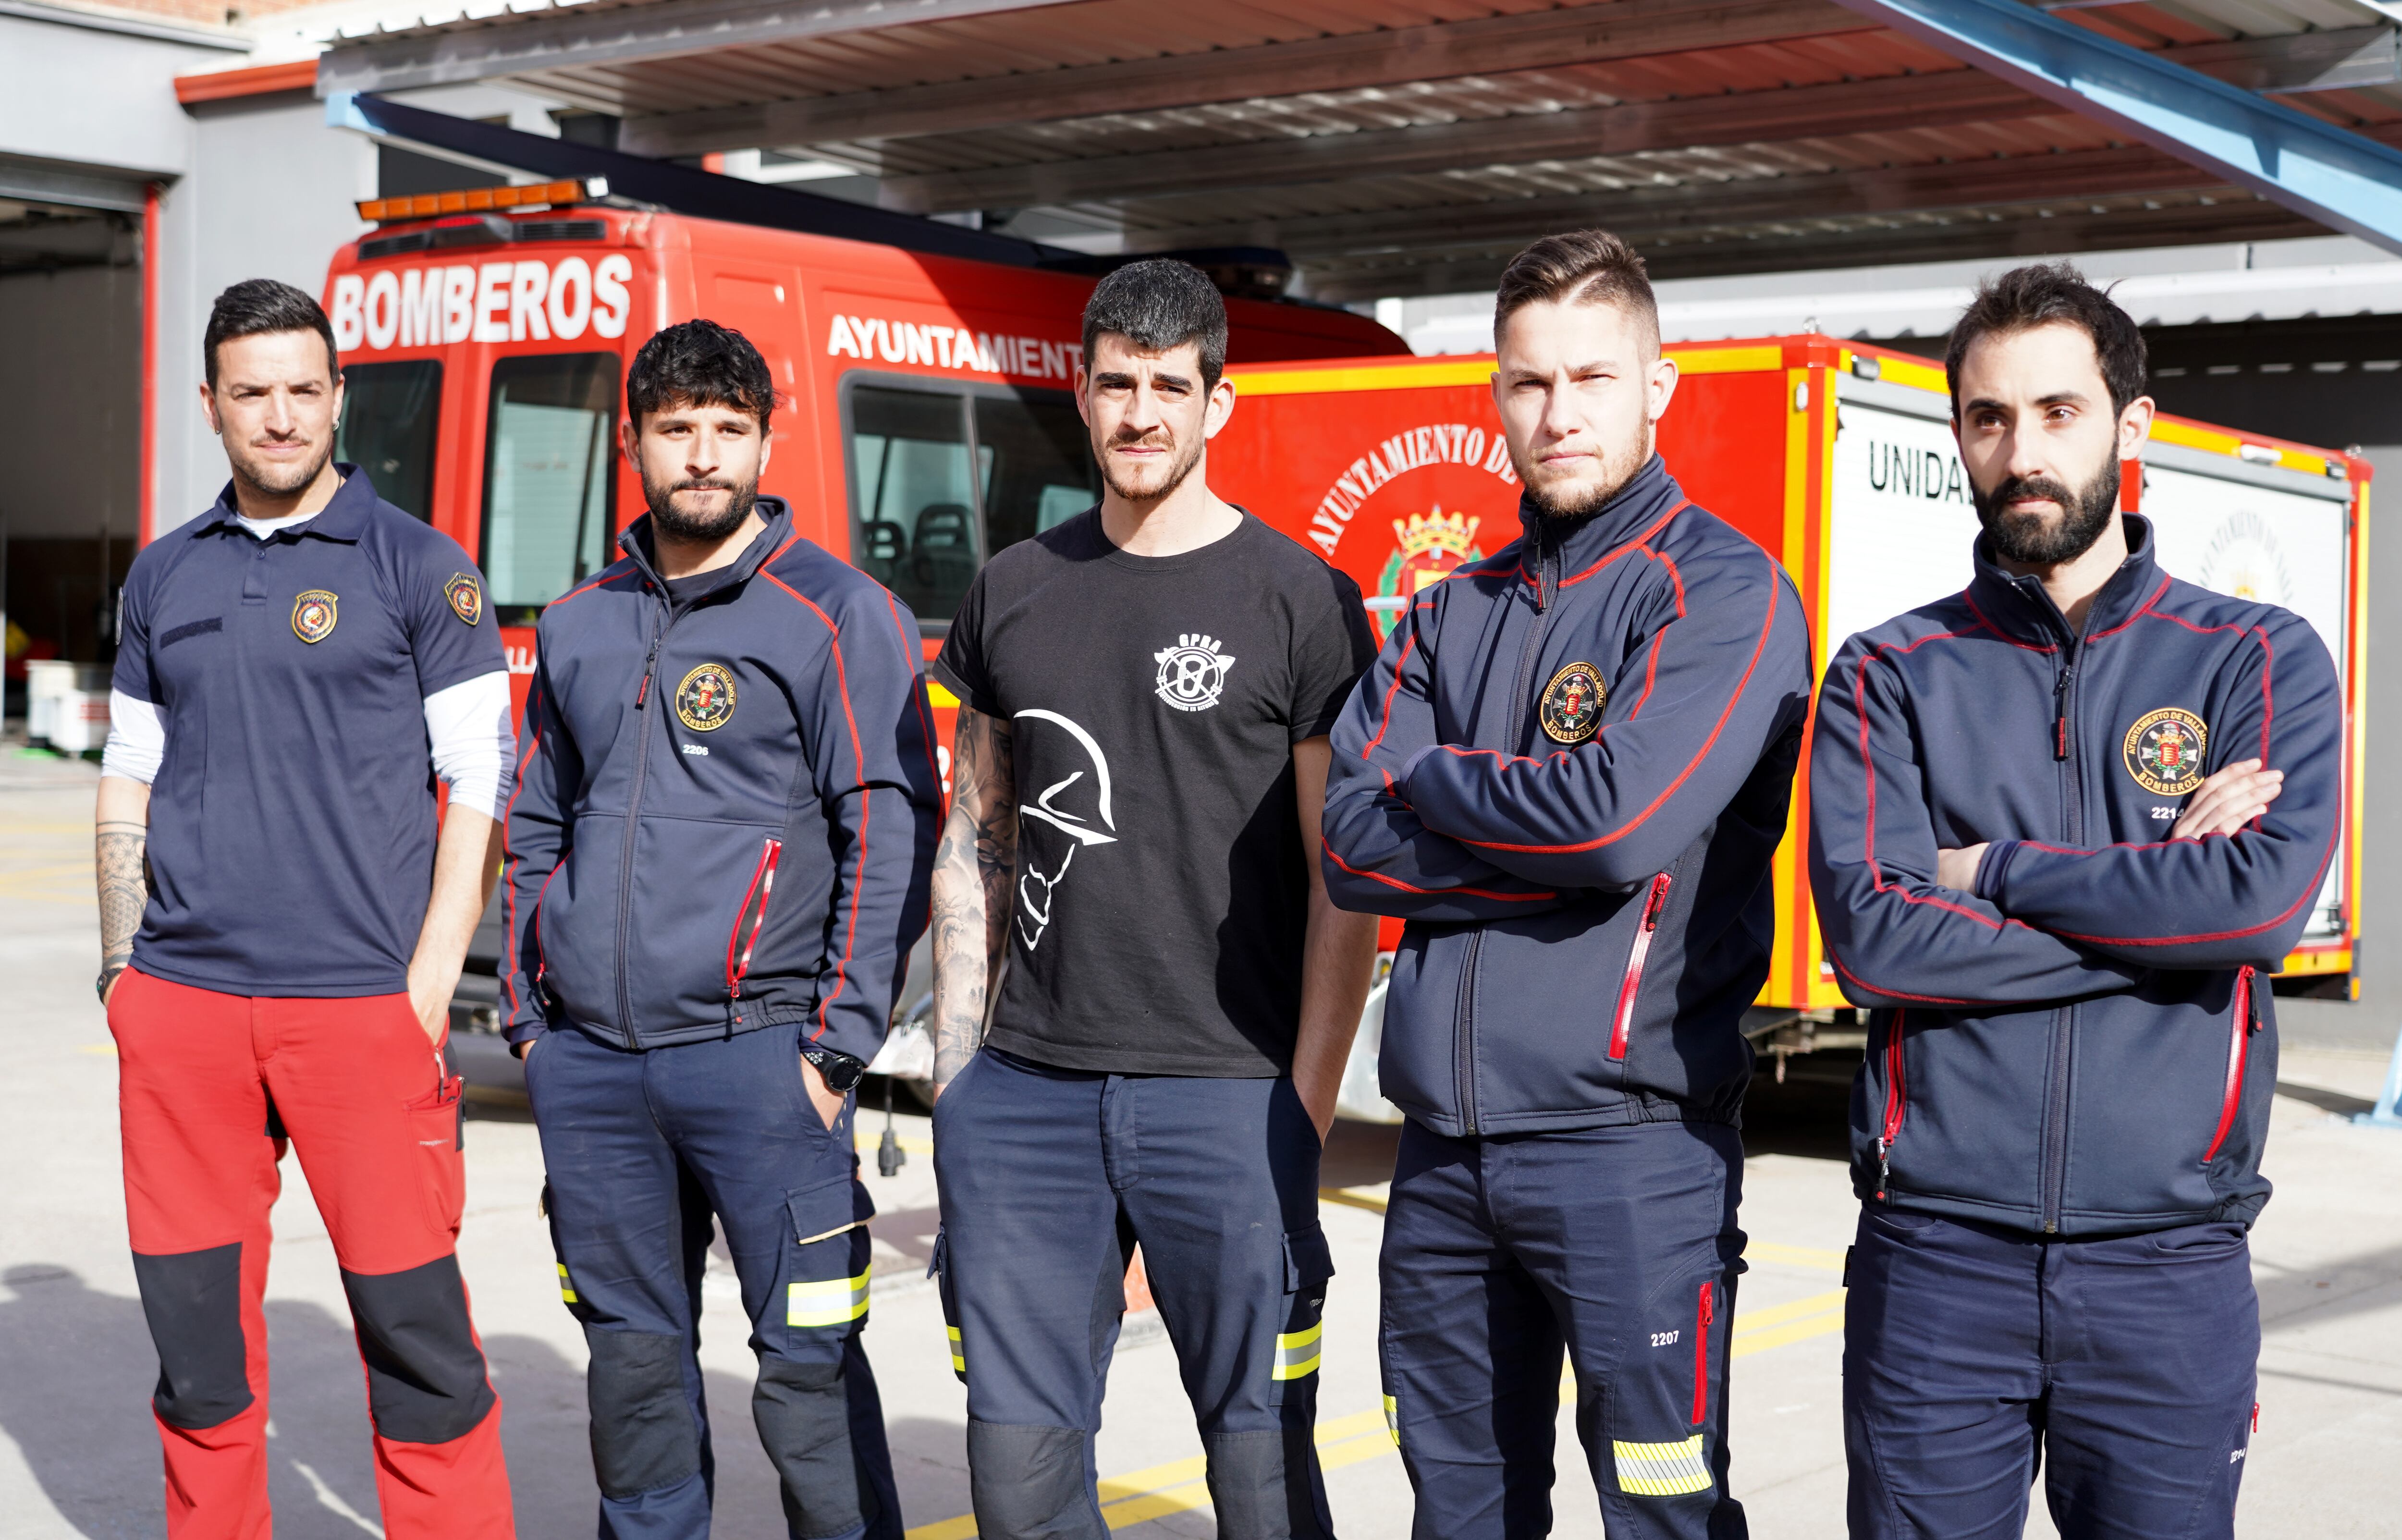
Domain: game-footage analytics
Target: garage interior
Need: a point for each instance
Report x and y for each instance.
(70, 411)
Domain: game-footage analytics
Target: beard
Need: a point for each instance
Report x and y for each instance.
(1129, 487)
(699, 528)
(2030, 539)
(1567, 497)
(278, 480)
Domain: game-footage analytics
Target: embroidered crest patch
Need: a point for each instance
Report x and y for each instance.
(704, 702)
(2163, 751)
(466, 596)
(313, 614)
(1572, 701)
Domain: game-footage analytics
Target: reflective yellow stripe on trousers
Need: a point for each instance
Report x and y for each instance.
(959, 1352)
(1298, 1352)
(827, 1302)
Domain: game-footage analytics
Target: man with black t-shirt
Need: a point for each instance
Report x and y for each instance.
(1176, 994)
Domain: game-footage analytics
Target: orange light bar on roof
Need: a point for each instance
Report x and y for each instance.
(538, 195)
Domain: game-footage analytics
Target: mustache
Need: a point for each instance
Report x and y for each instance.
(2040, 487)
(703, 484)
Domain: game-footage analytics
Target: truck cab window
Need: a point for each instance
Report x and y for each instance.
(547, 477)
(940, 479)
(388, 415)
(913, 496)
(1039, 470)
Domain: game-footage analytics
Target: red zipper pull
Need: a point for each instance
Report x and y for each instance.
(1709, 1304)
(1658, 901)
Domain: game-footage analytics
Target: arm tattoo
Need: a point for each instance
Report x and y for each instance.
(974, 868)
(119, 849)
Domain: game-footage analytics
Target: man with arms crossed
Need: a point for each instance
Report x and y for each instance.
(282, 929)
(1568, 770)
(718, 854)
(2061, 833)
(1134, 786)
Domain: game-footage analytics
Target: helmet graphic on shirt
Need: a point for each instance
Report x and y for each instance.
(1068, 817)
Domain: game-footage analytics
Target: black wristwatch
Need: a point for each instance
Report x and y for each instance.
(840, 1071)
(109, 972)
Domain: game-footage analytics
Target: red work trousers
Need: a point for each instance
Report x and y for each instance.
(209, 1086)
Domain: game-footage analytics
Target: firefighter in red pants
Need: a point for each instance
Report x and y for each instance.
(282, 930)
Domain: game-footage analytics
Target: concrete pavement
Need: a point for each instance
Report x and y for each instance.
(78, 1458)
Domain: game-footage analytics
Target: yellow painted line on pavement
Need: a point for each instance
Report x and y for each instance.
(871, 1138)
(1368, 1197)
(108, 1048)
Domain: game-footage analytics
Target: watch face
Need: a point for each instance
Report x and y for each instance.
(840, 1071)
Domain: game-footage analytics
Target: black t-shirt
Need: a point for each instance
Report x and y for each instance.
(1153, 703)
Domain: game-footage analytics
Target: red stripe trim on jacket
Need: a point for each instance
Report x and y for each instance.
(1767, 624)
(1638, 541)
(512, 862)
(859, 767)
(1432, 892)
(1408, 643)
(1836, 963)
(1986, 621)
(2143, 610)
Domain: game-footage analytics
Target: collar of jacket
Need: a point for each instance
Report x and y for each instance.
(2018, 606)
(344, 517)
(1551, 550)
(636, 542)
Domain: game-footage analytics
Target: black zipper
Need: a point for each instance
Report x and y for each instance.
(2055, 1115)
(633, 821)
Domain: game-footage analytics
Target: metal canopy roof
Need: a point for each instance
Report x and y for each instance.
(1409, 146)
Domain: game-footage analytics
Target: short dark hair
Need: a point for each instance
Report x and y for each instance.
(256, 306)
(2045, 293)
(699, 363)
(1580, 268)
(1160, 304)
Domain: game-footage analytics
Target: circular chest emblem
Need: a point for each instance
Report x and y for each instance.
(2163, 751)
(704, 702)
(1572, 703)
(1193, 673)
(466, 596)
(313, 614)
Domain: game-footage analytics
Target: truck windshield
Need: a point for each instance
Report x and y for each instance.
(388, 415)
(547, 493)
(924, 521)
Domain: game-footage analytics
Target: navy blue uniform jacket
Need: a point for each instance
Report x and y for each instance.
(726, 810)
(1589, 915)
(2084, 1044)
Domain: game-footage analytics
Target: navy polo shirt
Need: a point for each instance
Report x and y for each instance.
(291, 821)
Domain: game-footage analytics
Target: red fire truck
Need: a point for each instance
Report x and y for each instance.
(923, 418)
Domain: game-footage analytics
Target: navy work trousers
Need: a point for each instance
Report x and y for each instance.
(641, 1148)
(1049, 1179)
(1618, 1244)
(2123, 1366)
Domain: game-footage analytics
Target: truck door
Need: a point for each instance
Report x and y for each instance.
(943, 475)
(549, 507)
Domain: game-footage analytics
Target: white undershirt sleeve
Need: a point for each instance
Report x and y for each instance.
(137, 739)
(474, 740)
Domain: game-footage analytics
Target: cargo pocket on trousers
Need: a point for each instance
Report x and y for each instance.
(939, 1270)
(828, 1281)
(437, 1125)
(1299, 1344)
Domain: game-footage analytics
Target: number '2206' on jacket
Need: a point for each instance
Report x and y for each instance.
(726, 809)
(2085, 1044)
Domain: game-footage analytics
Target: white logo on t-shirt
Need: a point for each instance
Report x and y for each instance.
(1193, 672)
(1036, 889)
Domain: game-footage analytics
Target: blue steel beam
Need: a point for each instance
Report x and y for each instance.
(2342, 180)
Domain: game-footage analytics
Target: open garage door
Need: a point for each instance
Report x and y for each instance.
(71, 324)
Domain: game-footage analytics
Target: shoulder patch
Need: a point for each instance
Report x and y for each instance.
(466, 596)
(2163, 750)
